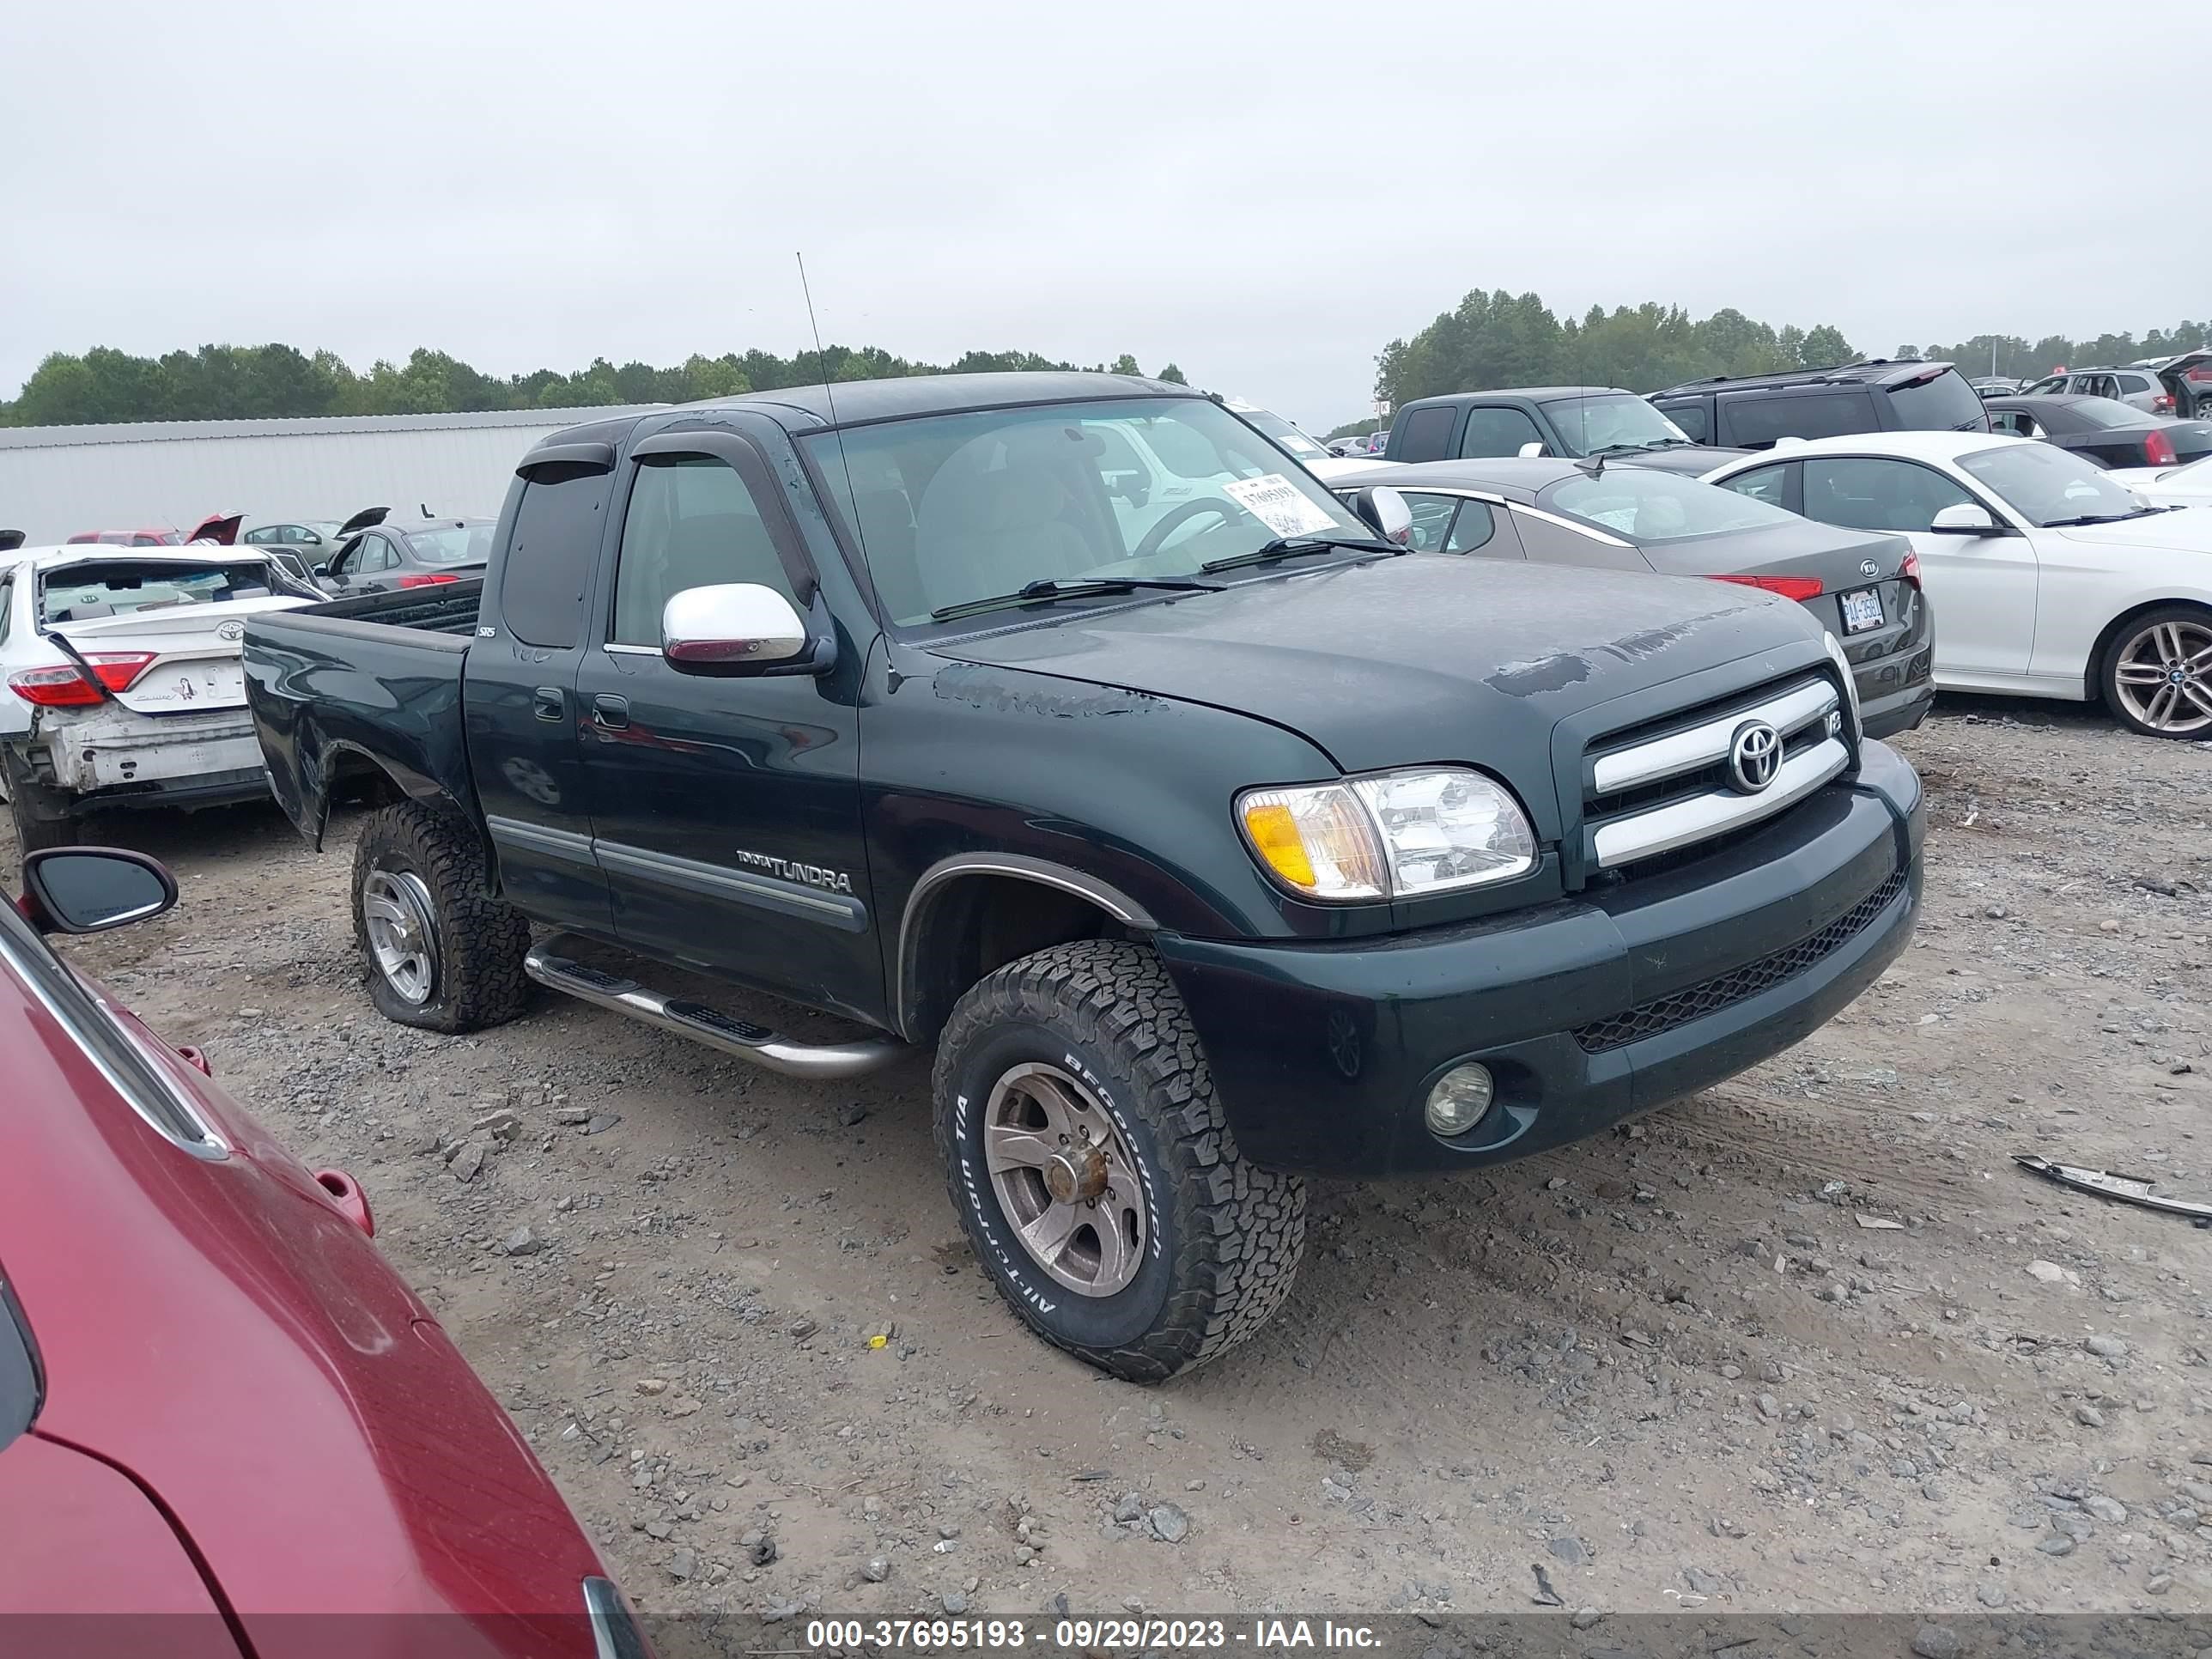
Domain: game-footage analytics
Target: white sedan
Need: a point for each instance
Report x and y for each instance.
(120, 680)
(2048, 577)
(2170, 486)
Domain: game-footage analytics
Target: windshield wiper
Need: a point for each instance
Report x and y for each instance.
(2099, 518)
(1288, 547)
(1031, 593)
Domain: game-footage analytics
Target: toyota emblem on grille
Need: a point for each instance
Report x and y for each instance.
(231, 630)
(1869, 567)
(1754, 756)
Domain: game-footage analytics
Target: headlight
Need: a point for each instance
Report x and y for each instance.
(1851, 683)
(1397, 835)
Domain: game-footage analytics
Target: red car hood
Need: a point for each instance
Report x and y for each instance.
(218, 1331)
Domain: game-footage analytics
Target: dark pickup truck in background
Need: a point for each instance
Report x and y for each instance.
(1572, 422)
(1210, 843)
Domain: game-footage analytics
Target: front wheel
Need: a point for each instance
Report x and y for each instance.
(438, 950)
(1093, 1169)
(2157, 673)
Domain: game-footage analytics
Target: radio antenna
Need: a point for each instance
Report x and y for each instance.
(821, 357)
(829, 396)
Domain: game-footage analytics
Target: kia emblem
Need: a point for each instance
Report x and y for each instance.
(1869, 567)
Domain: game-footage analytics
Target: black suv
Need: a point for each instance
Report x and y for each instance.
(1751, 411)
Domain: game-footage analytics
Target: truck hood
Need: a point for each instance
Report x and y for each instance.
(1415, 659)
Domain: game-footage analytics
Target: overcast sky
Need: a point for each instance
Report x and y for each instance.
(1264, 193)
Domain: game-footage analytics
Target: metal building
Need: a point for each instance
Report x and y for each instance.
(56, 481)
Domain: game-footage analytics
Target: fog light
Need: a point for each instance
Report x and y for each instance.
(1460, 1097)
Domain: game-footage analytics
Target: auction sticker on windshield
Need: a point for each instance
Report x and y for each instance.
(1280, 505)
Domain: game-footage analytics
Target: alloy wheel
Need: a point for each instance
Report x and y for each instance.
(1066, 1179)
(403, 932)
(2164, 676)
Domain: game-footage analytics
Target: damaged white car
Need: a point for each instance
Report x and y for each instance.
(119, 680)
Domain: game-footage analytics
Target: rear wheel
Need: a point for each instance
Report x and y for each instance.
(2157, 672)
(439, 952)
(1095, 1172)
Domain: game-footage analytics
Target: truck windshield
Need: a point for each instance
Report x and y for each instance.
(952, 508)
(1614, 420)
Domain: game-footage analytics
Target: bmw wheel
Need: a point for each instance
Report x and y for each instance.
(2157, 674)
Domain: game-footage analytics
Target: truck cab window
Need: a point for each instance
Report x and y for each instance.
(1425, 434)
(691, 523)
(551, 553)
(1497, 431)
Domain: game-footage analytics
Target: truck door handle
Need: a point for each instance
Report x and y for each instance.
(610, 711)
(548, 703)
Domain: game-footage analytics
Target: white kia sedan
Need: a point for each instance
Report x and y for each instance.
(2048, 577)
(120, 683)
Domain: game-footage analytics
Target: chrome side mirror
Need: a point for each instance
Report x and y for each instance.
(1529, 451)
(1964, 519)
(733, 627)
(89, 889)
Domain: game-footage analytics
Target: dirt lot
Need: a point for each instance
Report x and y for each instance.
(1668, 1365)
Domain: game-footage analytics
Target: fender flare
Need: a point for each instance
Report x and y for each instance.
(934, 882)
(411, 783)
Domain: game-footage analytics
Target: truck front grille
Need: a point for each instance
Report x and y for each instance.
(1667, 785)
(1739, 984)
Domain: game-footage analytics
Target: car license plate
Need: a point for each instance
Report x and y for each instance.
(1861, 610)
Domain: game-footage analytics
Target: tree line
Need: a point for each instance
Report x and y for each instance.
(1500, 339)
(225, 382)
(1489, 339)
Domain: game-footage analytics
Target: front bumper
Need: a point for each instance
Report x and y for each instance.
(1586, 1011)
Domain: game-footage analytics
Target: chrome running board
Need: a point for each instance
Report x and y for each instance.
(549, 965)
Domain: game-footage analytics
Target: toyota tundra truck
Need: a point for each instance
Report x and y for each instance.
(1208, 849)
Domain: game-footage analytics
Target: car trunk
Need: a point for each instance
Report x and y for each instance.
(2192, 440)
(2191, 397)
(1863, 598)
(195, 651)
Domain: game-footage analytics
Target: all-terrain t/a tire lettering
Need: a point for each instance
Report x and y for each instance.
(1221, 1238)
(475, 944)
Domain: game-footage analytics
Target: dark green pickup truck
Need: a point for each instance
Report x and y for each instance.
(1064, 723)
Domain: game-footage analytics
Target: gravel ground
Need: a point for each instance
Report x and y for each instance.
(1808, 1341)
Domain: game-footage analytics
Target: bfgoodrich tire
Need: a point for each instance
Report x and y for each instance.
(437, 950)
(1094, 1171)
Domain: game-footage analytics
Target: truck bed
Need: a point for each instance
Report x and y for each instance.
(440, 608)
(360, 686)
